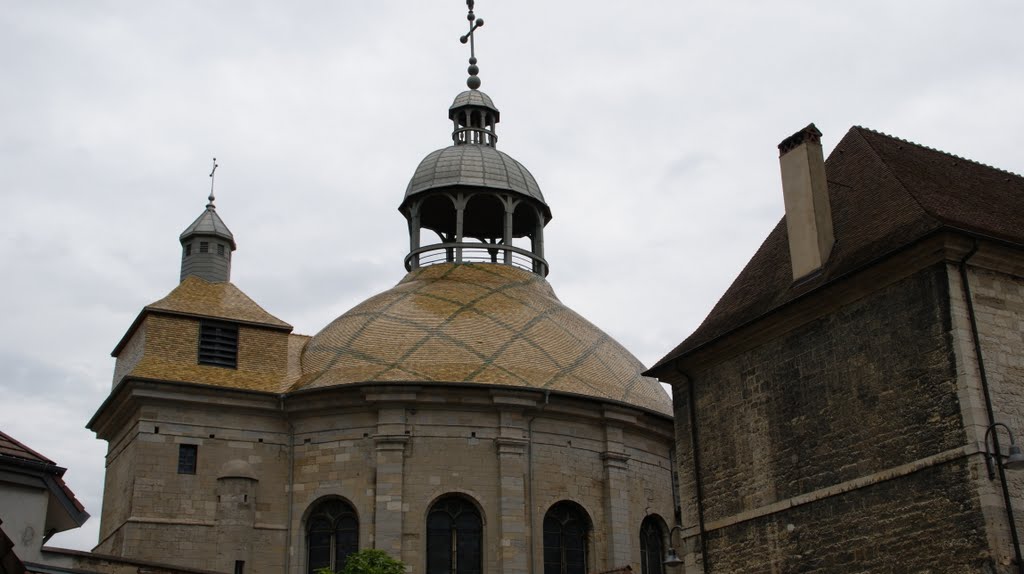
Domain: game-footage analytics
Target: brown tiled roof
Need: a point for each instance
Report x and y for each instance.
(885, 194)
(15, 451)
(476, 323)
(196, 296)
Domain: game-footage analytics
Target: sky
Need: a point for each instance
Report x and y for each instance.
(651, 128)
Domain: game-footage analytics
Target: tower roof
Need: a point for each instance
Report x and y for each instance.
(209, 223)
(476, 166)
(886, 193)
(472, 98)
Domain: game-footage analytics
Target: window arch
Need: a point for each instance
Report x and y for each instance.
(454, 537)
(652, 546)
(332, 533)
(566, 533)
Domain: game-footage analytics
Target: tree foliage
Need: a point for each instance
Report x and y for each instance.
(368, 561)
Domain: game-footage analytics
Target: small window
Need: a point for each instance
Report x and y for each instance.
(239, 566)
(188, 249)
(187, 456)
(218, 344)
(204, 246)
(220, 250)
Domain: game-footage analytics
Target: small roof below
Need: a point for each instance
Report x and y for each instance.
(477, 166)
(221, 300)
(209, 223)
(197, 297)
(64, 511)
(471, 98)
(885, 193)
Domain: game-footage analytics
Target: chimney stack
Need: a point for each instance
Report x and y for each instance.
(805, 191)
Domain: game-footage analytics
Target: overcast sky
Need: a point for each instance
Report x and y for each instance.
(651, 127)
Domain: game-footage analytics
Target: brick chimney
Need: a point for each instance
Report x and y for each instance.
(805, 191)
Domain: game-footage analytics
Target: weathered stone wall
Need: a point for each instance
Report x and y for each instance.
(923, 522)
(151, 512)
(815, 418)
(997, 293)
(391, 455)
(483, 454)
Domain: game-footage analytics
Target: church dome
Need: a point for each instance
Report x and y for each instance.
(473, 165)
(480, 324)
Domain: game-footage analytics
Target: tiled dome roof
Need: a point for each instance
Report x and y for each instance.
(476, 166)
(476, 323)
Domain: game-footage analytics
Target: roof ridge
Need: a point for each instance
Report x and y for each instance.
(936, 150)
(881, 160)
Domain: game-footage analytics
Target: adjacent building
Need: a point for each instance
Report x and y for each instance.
(834, 411)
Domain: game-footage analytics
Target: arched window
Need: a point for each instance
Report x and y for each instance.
(454, 537)
(652, 546)
(332, 533)
(566, 531)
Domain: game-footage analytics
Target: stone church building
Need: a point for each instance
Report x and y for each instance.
(464, 420)
(851, 404)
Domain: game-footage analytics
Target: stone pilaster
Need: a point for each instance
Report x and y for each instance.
(388, 509)
(616, 470)
(512, 467)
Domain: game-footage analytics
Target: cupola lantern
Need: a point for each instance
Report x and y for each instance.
(477, 200)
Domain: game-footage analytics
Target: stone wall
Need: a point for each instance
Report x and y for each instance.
(997, 291)
(390, 452)
(829, 427)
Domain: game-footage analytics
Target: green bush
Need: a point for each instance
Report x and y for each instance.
(369, 561)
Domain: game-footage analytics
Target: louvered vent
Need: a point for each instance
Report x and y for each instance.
(218, 344)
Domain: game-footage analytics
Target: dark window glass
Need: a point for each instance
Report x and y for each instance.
(188, 454)
(220, 250)
(218, 344)
(188, 250)
(454, 537)
(652, 547)
(239, 566)
(204, 246)
(566, 530)
(332, 533)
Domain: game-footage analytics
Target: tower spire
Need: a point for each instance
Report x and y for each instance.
(473, 81)
(206, 245)
(213, 171)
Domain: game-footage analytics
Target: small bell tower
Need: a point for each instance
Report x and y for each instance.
(207, 244)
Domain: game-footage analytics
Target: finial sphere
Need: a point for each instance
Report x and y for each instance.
(473, 82)
(470, 16)
(464, 39)
(473, 70)
(479, 22)
(472, 60)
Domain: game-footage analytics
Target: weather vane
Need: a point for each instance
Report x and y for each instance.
(473, 81)
(212, 171)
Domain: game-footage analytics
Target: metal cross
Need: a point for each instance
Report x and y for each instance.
(213, 171)
(473, 82)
